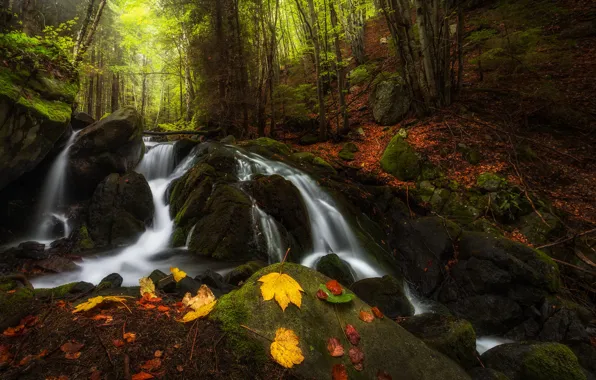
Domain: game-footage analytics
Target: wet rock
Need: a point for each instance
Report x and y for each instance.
(563, 321)
(32, 250)
(389, 101)
(243, 272)
(479, 373)
(490, 182)
(453, 337)
(400, 159)
(310, 162)
(82, 287)
(163, 282)
(81, 120)
(112, 281)
(534, 361)
(334, 267)
(386, 293)
(182, 148)
(57, 264)
(112, 145)
(536, 230)
(586, 355)
(215, 282)
(188, 285)
(267, 147)
(229, 140)
(489, 314)
(121, 208)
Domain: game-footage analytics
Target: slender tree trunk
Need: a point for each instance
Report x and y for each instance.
(460, 44)
(27, 17)
(317, 47)
(99, 86)
(84, 26)
(341, 72)
(90, 90)
(89, 39)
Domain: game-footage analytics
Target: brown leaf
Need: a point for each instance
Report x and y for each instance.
(339, 372)
(335, 348)
(107, 318)
(366, 316)
(334, 287)
(142, 376)
(71, 347)
(163, 308)
(377, 312)
(357, 358)
(383, 375)
(151, 365)
(130, 337)
(352, 334)
(72, 355)
(118, 342)
(158, 354)
(321, 295)
(95, 375)
(179, 368)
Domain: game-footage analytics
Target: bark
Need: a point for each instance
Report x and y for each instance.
(90, 89)
(341, 73)
(84, 26)
(99, 86)
(89, 39)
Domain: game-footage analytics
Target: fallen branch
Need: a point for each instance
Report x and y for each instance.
(202, 133)
(567, 239)
(575, 267)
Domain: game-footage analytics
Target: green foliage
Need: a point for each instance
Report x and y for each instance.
(294, 102)
(362, 74)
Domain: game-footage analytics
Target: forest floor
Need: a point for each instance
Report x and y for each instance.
(492, 118)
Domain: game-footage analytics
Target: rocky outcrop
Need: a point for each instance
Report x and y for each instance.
(334, 267)
(400, 159)
(121, 208)
(35, 107)
(112, 145)
(386, 293)
(389, 101)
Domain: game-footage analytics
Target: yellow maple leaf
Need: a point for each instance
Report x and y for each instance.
(147, 287)
(283, 287)
(178, 274)
(200, 312)
(92, 302)
(284, 348)
(204, 296)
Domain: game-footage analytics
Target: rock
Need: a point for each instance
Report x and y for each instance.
(32, 250)
(386, 293)
(182, 148)
(215, 282)
(81, 120)
(334, 267)
(112, 145)
(490, 182)
(83, 239)
(121, 208)
(57, 264)
(389, 101)
(82, 287)
(267, 147)
(112, 281)
(243, 272)
(35, 106)
(310, 162)
(229, 140)
(586, 355)
(315, 322)
(14, 306)
(534, 228)
(188, 285)
(163, 282)
(471, 155)
(534, 361)
(563, 321)
(309, 139)
(489, 314)
(479, 373)
(460, 209)
(453, 337)
(401, 160)
(347, 152)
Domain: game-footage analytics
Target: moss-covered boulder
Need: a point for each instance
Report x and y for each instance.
(310, 162)
(240, 274)
(309, 139)
(387, 293)
(386, 346)
(112, 145)
(37, 89)
(182, 148)
(334, 267)
(490, 182)
(534, 361)
(400, 159)
(453, 337)
(120, 209)
(267, 147)
(390, 101)
(347, 152)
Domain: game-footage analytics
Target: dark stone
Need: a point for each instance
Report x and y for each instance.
(390, 101)
(563, 325)
(334, 267)
(309, 139)
(32, 250)
(82, 287)
(489, 314)
(163, 282)
(243, 272)
(479, 373)
(586, 355)
(215, 282)
(386, 293)
(182, 148)
(188, 285)
(56, 264)
(81, 120)
(451, 336)
(229, 140)
(111, 281)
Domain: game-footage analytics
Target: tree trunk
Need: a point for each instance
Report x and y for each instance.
(317, 47)
(89, 39)
(84, 26)
(341, 72)
(99, 86)
(90, 90)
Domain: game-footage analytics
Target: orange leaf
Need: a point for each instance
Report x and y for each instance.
(377, 312)
(158, 354)
(72, 356)
(29, 321)
(335, 348)
(130, 337)
(107, 318)
(339, 372)
(14, 331)
(142, 376)
(357, 358)
(366, 316)
(352, 334)
(148, 306)
(162, 308)
(118, 342)
(151, 365)
(334, 287)
(61, 304)
(71, 347)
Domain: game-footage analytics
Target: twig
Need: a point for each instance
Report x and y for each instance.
(408, 200)
(104, 346)
(284, 260)
(575, 267)
(215, 352)
(194, 340)
(256, 332)
(567, 239)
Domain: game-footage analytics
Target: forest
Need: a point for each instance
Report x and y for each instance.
(298, 189)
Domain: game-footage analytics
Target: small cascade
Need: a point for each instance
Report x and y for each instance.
(158, 162)
(54, 195)
(330, 231)
(189, 237)
(149, 143)
(485, 343)
(419, 306)
(270, 231)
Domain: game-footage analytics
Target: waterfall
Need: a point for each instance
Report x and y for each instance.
(329, 229)
(53, 195)
(270, 231)
(485, 343)
(158, 162)
(189, 237)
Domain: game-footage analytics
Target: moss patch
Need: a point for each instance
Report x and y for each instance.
(551, 361)
(400, 159)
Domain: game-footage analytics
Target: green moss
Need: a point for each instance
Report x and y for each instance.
(272, 145)
(554, 280)
(490, 182)
(346, 155)
(59, 292)
(85, 241)
(400, 159)
(551, 361)
(6, 285)
(179, 237)
(15, 301)
(309, 158)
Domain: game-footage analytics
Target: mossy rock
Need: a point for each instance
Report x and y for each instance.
(534, 361)
(313, 163)
(453, 337)
(267, 147)
(459, 208)
(401, 160)
(309, 139)
(386, 345)
(14, 306)
(539, 229)
(84, 241)
(57, 292)
(491, 182)
(348, 151)
(243, 272)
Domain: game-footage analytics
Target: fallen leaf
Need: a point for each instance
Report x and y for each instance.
(283, 287)
(130, 337)
(357, 358)
(148, 306)
(61, 377)
(377, 312)
(334, 287)
(204, 296)
(366, 316)
(14, 331)
(158, 354)
(151, 365)
(163, 308)
(284, 348)
(339, 372)
(95, 375)
(72, 355)
(344, 297)
(352, 334)
(321, 294)
(178, 274)
(5, 355)
(118, 342)
(203, 311)
(383, 375)
(107, 318)
(179, 368)
(29, 321)
(92, 302)
(141, 376)
(61, 304)
(71, 347)
(335, 348)
(147, 287)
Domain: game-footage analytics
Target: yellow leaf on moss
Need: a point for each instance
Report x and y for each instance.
(283, 287)
(200, 312)
(92, 302)
(284, 348)
(204, 296)
(147, 287)
(178, 274)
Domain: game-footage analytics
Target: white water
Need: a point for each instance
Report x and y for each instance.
(134, 261)
(270, 231)
(485, 343)
(53, 195)
(158, 162)
(189, 237)
(330, 230)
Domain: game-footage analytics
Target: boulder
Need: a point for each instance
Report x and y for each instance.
(111, 281)
(490, 182)
(32, 250)
(479, 373)
(534, 361)
(163, 282)
(229, 140)
(347, 152)
(310, 162)
(334, 267)
(386, 293)
(112, 145)
(35, 106)
(56, 264)
(387, 346)
(390, 101)
(309, 139)
(182, 148)
(81, 120)
(400, 159)
(267, 147)
(453, 337)
(243, 272)
(121, 208)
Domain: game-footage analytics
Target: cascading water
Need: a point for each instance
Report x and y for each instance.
(330, 230)
(270, 231)
(53, 196)
(158, 162)
(485, 343)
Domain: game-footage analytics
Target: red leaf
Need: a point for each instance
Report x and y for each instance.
(334, 287)
(339, 372)
(357, 358)
(118, 342)
(352, 334)
(366, 316)
(383, 375)
(377, 312)
(335, 348)
(321, 295)
(142, 376)
(151, 365)
(71, 347)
